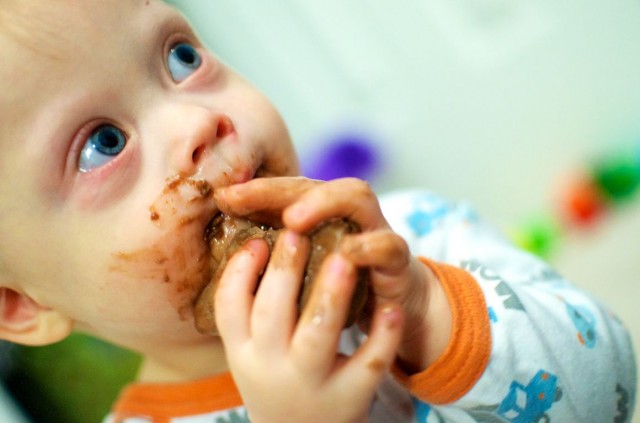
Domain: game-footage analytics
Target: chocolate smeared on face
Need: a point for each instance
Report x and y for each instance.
(225, 235)
(174, 255)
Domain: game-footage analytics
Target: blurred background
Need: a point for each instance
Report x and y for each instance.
(530, 110)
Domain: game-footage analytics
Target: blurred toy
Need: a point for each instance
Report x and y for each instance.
(348, 154)
(618, 175)
(611, 181)
(539, 234)
(583, 202)
(586, 197)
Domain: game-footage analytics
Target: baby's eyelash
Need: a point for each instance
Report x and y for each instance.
(82, 137)
(177, 30)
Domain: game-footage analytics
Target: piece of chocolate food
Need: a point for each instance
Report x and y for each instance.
(226, 234)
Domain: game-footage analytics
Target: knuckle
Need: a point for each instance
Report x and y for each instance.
(308, 340)
(261, 312)
(397, 250)
(359, 187)
(377, 365)
(400, 244)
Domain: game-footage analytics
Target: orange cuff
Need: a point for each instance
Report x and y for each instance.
(464, 360)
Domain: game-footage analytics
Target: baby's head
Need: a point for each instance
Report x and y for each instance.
(116, 127)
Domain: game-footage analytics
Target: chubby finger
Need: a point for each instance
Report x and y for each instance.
(235, 294)
(375, 356)
(348, 198)
(383, 250)
(387, 257)
(275, 308)
(317, 335)
(262, 199)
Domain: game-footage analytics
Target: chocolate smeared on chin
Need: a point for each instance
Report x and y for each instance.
(225, 235)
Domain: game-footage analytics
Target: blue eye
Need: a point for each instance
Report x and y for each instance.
(183, 60)
(104, 143)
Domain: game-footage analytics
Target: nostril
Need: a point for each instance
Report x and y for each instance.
(197, 153)
(225, 127)
(207, 133)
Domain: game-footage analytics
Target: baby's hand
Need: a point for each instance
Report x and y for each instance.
(288, 369)
(396, 276)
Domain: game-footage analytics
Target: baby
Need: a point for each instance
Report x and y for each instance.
(122, 137)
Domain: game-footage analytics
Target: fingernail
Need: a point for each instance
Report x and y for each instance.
(337, 265)
(296, 212)
(219, 192)
(291, 242)
(391, 316)
(227, 191)
(341, 267)
(292, 239)
(252, 245)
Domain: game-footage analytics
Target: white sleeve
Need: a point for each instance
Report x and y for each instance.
(558, 355)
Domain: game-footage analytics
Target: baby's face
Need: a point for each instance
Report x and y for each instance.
(116, 127)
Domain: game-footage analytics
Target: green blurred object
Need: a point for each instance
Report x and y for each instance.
(538, 235)
(73, 381)
(618, 175)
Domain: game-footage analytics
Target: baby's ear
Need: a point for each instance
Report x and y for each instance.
(24, 321)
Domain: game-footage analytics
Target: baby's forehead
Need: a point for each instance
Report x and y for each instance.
(35, 33)
(50, 48)
(36, 39)
(45, 24)
(36, 26)
(27, 49)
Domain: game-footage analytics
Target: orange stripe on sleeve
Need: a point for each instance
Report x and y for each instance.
(464, 360)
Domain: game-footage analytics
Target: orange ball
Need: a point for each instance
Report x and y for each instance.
(584, 202)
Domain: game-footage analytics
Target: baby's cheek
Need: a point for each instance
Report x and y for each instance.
(176, 257)
(179, 267)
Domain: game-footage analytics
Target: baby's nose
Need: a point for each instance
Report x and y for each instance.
(204, 130)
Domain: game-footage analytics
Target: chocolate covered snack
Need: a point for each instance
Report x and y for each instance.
(226, 234)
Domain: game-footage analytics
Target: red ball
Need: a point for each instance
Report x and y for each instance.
(584, 202)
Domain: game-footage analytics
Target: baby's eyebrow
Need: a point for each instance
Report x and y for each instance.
(159, 26)
(175, 22)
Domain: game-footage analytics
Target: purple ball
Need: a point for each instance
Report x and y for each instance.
(344, 156)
